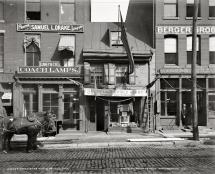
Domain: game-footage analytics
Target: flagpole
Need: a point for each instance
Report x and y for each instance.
(193, 70)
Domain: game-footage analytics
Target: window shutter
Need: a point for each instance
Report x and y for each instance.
(87, 75)
(106, 74)
(112, 77)
(132, 78)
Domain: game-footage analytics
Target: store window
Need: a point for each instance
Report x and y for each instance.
(170, 49)
(1, 50)
(168, 103)
(211, 8)
(211, 102)
(170, 8)
(190, 8)
(30, 103)
(32, 50)
(67, 11)
(1, 11)
(33, 10)
(189, 50)
(50, 102)
(169, 83)
(97, 77)
(115, 38)
(212, 49)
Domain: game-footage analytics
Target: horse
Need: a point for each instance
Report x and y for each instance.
(30, 125)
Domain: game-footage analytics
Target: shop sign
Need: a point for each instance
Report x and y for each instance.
(49, 69)
(50, 28)
(115, 92)
(52, 63)
(184, 29)
(202, 70)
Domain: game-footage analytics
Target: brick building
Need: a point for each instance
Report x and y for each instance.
(173, 62)
(54, 58)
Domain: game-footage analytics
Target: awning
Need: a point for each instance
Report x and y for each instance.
(67, 43)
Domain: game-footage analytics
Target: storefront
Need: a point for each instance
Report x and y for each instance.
(49, 88)
(114, 109)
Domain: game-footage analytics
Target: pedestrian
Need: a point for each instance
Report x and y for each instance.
(183, 115)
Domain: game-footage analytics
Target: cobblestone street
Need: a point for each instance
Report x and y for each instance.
(142, 159)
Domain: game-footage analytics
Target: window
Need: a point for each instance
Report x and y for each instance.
(32, 50)
(170, 8)
(189, 50)
(168, 103)
(50, 102)
(190, 8)
(211, 8)
(30, 103)
(33, 10)
(1, 11)
(121, 74)
(1, 50)
(212, 49)
(170, 49)
(67, 11)
(115, 37)
(97, 74)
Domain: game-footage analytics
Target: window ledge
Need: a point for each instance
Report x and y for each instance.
(33, 21)
(171, 65)
(190, 18)
(211, 18)
(171, 18)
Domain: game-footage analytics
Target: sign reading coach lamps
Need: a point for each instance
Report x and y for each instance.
(49, 69)
(116, 92)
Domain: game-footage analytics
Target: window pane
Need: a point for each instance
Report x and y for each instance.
(33, 10)
(29, 59)
(170, 45)
(54, 99)
(33, 6)
(189, 43)
(67, 12)
(211, 2)
(169, 83)
(116, 38)
(170, 10)
(212, 43)
(212, 11)
(171, 58)
(211, 83)
(212, 57)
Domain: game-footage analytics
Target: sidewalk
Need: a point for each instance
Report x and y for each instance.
(74, 139)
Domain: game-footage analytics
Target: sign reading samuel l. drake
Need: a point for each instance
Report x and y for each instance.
(42, 69)
(50, 28)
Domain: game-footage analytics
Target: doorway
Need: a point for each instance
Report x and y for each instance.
(99, 115)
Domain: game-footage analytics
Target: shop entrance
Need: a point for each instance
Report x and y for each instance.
(187, 108)
(100, 114)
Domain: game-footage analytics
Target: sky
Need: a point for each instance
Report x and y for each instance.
(108, 10)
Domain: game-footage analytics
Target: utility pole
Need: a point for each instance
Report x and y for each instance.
(194, 89)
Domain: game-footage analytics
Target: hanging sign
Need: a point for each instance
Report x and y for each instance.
(50, 28)
(115, 92)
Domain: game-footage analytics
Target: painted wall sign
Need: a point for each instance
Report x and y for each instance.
(49, 69)
(114, 92)
(50, 28)
(184, 29)
(202, 70)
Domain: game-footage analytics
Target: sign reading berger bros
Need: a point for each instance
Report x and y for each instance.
(184, 29)
(50, 28)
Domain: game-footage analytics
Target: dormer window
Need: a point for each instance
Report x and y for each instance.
(115, 38)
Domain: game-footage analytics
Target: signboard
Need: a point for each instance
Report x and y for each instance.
(50, 28)
(7, 95)
(184, 29)
(115, 92)
(202, 70)
(49, 69)
(52, 63)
